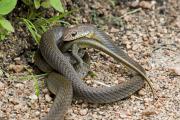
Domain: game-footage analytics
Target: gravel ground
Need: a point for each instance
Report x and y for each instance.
(150, 34)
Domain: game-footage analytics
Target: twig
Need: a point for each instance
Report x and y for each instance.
(137, 98)
(131, 12)
(101, 83)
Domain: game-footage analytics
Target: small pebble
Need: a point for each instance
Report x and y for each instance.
(148, 112)
(14, 101)
(146, 5)
(84, 105)
(141, 92)
(114, 30)
(37, 113)
(48, 98)
(1, 85)
(19, 85)
(45, 90)
(83, 112)
(33, 97)
(75, 111)
(123, 115)
(16, 68)
(18, 60)
(128, 46)
(134, 4)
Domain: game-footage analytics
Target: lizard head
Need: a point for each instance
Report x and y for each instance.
(77, 32)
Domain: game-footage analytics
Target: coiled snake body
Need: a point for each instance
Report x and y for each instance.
(54, 57)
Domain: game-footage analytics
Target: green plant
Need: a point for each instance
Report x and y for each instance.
(36, 23)
(56, 4)
(6, 6)
(40, 25)
(33, 77)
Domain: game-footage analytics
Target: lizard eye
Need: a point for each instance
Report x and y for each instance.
(73, 34)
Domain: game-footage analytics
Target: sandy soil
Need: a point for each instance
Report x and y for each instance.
(148, 31)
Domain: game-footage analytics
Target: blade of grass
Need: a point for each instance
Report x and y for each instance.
(56, 18)
(36, 85)
(32, 30)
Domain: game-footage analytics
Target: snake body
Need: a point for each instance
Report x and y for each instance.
(58, 62)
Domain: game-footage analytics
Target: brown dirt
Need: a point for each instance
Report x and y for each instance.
(151, 36)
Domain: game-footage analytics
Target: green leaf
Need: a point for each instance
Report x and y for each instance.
(27, 2)
(57, 5)
(7, 6)
(6, 24)
(36, 86)
(46, 4)
(37, 3)
(2, 37)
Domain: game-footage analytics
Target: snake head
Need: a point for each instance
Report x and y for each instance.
(77, 32)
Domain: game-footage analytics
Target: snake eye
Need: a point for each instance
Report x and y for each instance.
(73, 34)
